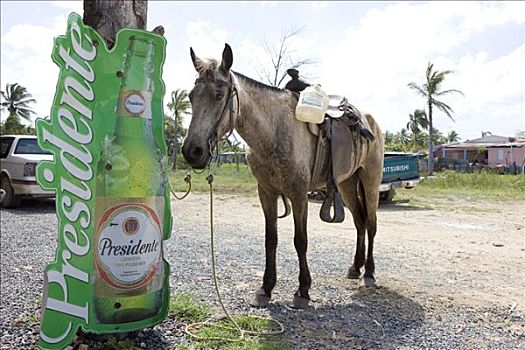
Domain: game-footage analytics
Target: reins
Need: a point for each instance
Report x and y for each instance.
(193, 327)
(214, 140)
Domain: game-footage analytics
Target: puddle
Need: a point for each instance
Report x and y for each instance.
(463, 226)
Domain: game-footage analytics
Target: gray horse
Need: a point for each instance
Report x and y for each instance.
(282, 156)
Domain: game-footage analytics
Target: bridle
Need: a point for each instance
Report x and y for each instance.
(213, 139)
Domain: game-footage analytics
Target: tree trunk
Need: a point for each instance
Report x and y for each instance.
(430, 146)
(107, 17)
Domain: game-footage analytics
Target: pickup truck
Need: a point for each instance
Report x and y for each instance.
(400, 170)
(19, 156)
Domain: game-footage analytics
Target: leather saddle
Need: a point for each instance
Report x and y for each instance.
(340, 142)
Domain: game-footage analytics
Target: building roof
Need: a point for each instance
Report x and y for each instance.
(490, 141)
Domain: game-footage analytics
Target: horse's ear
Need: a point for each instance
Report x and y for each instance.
(227, 58)
(197, 62)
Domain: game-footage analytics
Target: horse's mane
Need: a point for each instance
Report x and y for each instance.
(257, 84)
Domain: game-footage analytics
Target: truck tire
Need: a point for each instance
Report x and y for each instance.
(11, 200)
(387, 196)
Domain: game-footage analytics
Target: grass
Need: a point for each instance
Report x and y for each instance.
(115, 344)
(474, 185)
(187, 309)
(184, 306)
(484, 185)
(228, 178)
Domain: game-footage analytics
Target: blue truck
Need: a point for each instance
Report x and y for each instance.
(400, 170)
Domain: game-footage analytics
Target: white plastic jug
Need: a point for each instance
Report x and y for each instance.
(312, 105)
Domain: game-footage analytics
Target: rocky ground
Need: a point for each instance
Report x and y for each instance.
(451, 275)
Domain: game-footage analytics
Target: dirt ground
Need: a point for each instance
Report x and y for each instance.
(452, 267)
(469, 251)
(450, 271)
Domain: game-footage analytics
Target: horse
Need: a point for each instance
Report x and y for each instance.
(281, 157)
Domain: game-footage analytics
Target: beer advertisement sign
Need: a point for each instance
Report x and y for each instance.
(110, 176)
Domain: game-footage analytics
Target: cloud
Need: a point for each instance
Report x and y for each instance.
(390, 47)
(26, 59)
(74, 6)
(371, 61)
(206, 38)
(318, 5)
(268, 3)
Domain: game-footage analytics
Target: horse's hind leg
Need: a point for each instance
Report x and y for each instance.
(269, 206)
(371, 194)
(349, 192)
(300, 216)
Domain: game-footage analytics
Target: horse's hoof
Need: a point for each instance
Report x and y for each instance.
(299, 303)
(261, 299)
(353, 274)
(370, 282)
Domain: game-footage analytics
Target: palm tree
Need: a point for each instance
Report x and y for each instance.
(389, 137)
(403, 137)
(179, 105)
(416, 120)
(16, 101)
(453, 136)
(430, 90)
(437, 137)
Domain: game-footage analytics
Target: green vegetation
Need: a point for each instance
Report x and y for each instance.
(180, 106)
(228, 178)
(482, 185)
(431, 90)
(417, 121)
(183, 306)
(16, 102)
(126, 344)
(186, 308)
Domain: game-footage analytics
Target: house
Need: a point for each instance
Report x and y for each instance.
(491, 150)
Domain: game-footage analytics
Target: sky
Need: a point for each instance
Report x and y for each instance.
(368, 51)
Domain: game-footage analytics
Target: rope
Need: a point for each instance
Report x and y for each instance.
(242, 332)
(187, 179)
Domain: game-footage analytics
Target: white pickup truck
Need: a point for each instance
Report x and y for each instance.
(19, 156)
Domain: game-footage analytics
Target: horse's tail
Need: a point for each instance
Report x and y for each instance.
(361, 202)
(287, 207)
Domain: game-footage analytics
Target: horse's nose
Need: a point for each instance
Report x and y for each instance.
(193, 154)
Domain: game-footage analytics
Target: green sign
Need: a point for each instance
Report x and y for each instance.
(110, 176)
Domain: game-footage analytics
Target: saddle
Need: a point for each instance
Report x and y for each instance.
(339, 144)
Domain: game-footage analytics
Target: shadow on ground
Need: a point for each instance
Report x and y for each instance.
(376, 318)
(33, 206)
(397, 205)
(401, 205)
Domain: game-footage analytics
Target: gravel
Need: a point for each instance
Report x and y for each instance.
(343, 314)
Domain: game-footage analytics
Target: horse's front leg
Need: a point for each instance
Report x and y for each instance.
(269, 205)
(300, 216)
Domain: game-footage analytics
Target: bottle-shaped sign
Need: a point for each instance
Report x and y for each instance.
(129, 265)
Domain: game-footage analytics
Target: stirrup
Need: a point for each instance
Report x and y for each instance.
(339, 208)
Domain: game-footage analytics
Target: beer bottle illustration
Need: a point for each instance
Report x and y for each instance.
(130, 203)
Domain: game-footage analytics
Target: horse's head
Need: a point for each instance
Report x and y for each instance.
(212, 105)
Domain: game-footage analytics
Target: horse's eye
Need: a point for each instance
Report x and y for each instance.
(219, 96)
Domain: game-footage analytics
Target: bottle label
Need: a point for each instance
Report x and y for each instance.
(129, 245)
(134, 103)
